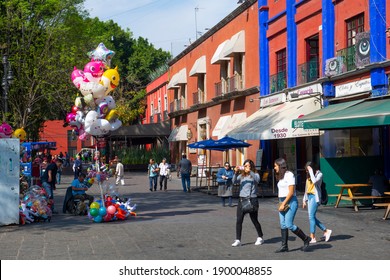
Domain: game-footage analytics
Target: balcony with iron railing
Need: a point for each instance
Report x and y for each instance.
(349, 57)
(308, 72)
(198, 97)
(177, 105)
(235, 83)
(278, 82)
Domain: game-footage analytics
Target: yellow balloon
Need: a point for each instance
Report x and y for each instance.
(20, 133)
(112, 115)
(95, 205)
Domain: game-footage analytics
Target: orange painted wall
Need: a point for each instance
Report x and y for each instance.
(344, 11)
(155, 90)
(53, 131)
(309, 21)
(248, 21)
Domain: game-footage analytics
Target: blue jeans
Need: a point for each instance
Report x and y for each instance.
(185, 179)
(153, 183)
(48, 189)
(312, 207)
(287, 218)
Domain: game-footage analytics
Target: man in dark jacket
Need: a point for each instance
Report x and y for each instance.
(185, 168)
(49, 178)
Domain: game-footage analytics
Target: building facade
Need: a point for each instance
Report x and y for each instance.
(210, 86)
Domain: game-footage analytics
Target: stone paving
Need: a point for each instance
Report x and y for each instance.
(174, 225)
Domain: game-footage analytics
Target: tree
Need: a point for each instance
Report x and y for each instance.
(46, 39)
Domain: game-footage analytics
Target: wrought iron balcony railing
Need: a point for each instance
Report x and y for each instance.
(278, 82)
(349, 57)
(308, 72)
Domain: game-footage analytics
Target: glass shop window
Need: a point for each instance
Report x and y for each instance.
(356, 142)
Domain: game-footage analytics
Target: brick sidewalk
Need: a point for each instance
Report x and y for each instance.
(176, 225)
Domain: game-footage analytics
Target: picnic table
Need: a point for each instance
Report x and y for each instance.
(384, 204)
(352, 194)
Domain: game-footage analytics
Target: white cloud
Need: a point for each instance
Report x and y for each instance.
(167, 24)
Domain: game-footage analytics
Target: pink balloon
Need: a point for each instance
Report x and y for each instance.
(94, 70)
(111, 209)
(78, 77)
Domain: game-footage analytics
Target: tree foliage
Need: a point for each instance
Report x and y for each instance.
(44, 40)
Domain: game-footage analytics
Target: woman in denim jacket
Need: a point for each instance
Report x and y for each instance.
(248, 178)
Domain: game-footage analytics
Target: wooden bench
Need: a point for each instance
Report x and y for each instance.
(361, 197)
(385, 204)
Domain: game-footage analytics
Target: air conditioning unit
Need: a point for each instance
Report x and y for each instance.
(334, 66)
(362, 49)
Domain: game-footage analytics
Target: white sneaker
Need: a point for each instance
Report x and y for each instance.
(313, 240)
(259, 241)
(328, 234)
(236, 243)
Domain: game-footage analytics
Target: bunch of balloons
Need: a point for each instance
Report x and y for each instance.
(111, 210)
(94, 113)
(35, 206)
(6, 131)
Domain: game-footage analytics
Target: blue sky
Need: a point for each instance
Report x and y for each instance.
(167, 24)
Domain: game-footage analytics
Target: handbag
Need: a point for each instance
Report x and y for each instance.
(246, 204)
(286, 207)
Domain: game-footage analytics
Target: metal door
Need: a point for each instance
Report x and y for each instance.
(9, 180)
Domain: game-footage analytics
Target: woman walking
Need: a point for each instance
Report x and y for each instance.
(248, 179)
(288, 205)
(312, 198)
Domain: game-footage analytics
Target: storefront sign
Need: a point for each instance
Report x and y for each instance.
(353, 87)
(309, 90)
(272, 100)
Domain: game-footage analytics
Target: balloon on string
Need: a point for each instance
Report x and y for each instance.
(5, 130)
(77, 77)
(103, 54)
(110, 80)
(94, 70)
(20, 133)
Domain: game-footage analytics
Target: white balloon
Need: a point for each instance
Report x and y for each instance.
(109, 100)
(116, 124)
(96, 89)
(95, 126)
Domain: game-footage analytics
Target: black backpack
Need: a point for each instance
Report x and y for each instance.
(324, 194)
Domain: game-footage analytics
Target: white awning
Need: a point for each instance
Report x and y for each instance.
(199, 66)
(235, 45)
(179, 78)
(218, 57)
(220, 124)
(231, 124)
(179, 133)
(276, 122)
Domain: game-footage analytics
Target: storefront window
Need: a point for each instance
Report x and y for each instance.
(355, 142)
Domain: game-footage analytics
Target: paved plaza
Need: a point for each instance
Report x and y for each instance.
(174, 225)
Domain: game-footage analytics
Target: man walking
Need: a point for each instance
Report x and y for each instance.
(119, 173)
(49, 180)
(185, 168)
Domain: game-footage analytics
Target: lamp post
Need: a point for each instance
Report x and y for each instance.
(7, 81)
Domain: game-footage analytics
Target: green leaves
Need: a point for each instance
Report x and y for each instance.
(44, 40)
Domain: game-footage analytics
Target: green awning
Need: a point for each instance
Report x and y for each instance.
(360, 113)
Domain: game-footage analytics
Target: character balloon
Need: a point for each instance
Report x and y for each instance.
(103, 54)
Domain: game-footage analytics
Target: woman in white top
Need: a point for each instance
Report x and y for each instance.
(312, 198)
(288, 205)
(164, 171)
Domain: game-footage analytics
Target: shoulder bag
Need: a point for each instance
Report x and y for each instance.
(246, 204)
